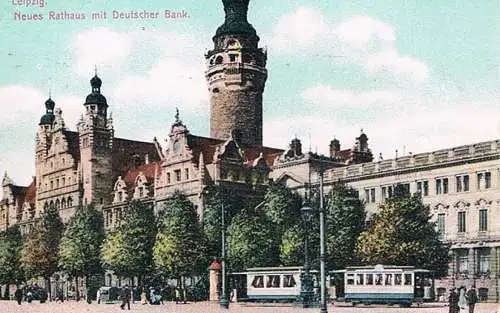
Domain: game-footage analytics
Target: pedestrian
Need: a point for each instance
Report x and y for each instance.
(462, 302)
(98, 296)
(453, 301)
(125, 298)
(472, 299)
(19, 295)
(177, 295)
(144, 299)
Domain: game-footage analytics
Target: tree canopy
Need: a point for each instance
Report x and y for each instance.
(401, 234)
(252, 241)
(180, 247)
(128, 250)
(10, 254)
(345, 220)
(80, 248)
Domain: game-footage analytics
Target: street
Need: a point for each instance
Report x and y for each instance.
(209, 307)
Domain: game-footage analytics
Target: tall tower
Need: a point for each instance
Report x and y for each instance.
(236, 78)
(96, 143)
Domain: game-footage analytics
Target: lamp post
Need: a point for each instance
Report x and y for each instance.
(323, 305)
(306, 284)
(224, 302)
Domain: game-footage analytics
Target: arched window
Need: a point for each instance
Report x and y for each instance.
(219, 60)
(58, 204)
(70, 202)
(51, 204)
(63, 203)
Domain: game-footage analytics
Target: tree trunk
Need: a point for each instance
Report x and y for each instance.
(49, 291)
(7, 292)
(77, 290)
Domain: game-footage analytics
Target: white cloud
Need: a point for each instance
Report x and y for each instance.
(329, 97)
(299, 29)
(101, 47)
(360, 40)
(418, 130)
(361, 30)
(391, 61)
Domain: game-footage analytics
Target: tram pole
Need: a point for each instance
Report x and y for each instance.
(323, 304)
(224, 302)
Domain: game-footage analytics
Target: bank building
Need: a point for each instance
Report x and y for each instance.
(92, 165)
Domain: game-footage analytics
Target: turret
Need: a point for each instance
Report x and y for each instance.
(236, 77)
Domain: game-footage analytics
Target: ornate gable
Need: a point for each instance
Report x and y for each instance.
(120, 190)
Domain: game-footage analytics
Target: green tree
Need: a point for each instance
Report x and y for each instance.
(218, 198)
(345, 220)
(281, 206)
(80, 248)
(128, 250)
(10, 258)
(180, 245)
(252, 241)
(292, 248)
(40, 252)
(402, 234)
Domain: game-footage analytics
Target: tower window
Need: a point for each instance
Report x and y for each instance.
(219, 60)
(232, 57)
(215, 90)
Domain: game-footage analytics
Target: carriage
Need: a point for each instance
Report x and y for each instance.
(387, 284)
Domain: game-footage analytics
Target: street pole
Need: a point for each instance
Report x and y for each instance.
(306, 285)
(323, 306)
(224, 302)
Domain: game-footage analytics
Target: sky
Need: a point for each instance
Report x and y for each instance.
(415, 75)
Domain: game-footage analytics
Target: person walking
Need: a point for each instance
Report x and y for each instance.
(453, 301)
(19, 295)
(462, 302)
(472, 298)
(125, 298)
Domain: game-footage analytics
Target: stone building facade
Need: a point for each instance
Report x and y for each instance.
(461, 185)
(91, 165)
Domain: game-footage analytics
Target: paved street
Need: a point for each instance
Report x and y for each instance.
(206, 307)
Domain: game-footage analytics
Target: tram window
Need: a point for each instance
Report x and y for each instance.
(289, 281)
(273, 281)
(258, 282)
(350, 279)
(408, 279)
(378, 279)
(369, 279)
(359, 279)
(398, 279)
(388, 279)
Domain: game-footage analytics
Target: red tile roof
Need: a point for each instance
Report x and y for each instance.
(206, 145)
(147, 169)
(269, 154)
(31, 193)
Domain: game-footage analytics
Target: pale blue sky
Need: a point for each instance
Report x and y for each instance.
(416, 75)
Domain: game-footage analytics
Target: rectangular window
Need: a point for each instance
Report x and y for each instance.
(232, 57)
(273, 281)
(466, 182)
(441, 224)
(441, 186)
(388, 279)
(168, 178)
(350, 279)
(461, 222)
(178, 175)
(359, 279)
(463, 262)
(407, 281)
(487, 180)
(369, 279)
(459, 187)
(372, 195)
(378, 279)
(423, 188)
(258, 281)
(289, 281)
(398, 279)
(186, 173)
(483, 220)
(484, 261)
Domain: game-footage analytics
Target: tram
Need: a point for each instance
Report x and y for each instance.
(387, 284)
(269, 284)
